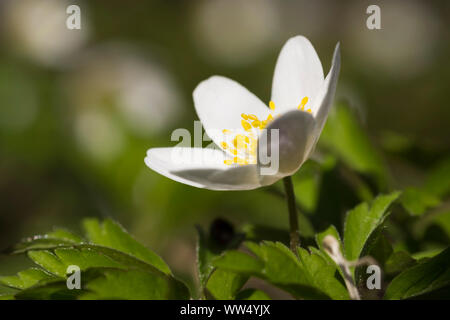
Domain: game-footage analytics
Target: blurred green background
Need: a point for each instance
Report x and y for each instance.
(79, 109)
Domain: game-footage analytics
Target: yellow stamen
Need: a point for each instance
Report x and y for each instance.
(252, 117)
(256, 123)
(272, 105)
(302, 104)
(243, 115)
(247, 126)
(224, 145)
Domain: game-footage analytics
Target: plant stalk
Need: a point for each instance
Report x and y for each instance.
(293, 219)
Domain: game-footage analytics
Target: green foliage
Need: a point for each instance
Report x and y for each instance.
(112, 235)
(113, 265)
(306, 276)
(362, 221)
(426, 276)
(225, 285)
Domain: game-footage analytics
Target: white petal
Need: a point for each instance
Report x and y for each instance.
(324, 99)
(202, 168)
(298, 74)
(219, 103)
(295, 130)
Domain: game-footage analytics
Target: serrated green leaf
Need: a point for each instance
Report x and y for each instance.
(38, 243)
(26, 278)
(112, 235)
(322, 274)
(252, 294)
(331, 230)
(64, 234)
(274, 263)
(361, 221)
(422, 278)
(48, 261)
(224, 285)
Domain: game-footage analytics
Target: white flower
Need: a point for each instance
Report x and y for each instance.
(301, 100)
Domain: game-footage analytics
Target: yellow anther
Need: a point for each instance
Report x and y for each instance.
(309, 110)
(272, 105)
(247, 126)
(256, 123)
(228, 161)
(243, 115)
(224, 145)
(226, 131)
(302, 104)
(263, 124)
(234, 151)
(252, 117)
(270, 117)
(247, 139)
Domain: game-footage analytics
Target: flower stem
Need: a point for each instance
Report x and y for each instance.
(293, 219)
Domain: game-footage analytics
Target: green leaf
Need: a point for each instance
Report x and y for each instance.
(26, 278)
(427, 253)
(37, 243)
(240, 262)
(252, 294)
(275, 263)
(322, 273)
(430, 275)
(54, 290)
(204, 257)
(361, 221)
(331, 230)
(344, 136)
(112, 235)
(224, 285)
(381, 250)
(398, 262)
(57, 237)
(134, 285)
(65, 235)
(417, 201)
(48, 261)
(115, 257)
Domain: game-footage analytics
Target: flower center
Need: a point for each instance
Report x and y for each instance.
(244, 145)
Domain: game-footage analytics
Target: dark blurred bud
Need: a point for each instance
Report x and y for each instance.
(221, 232)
